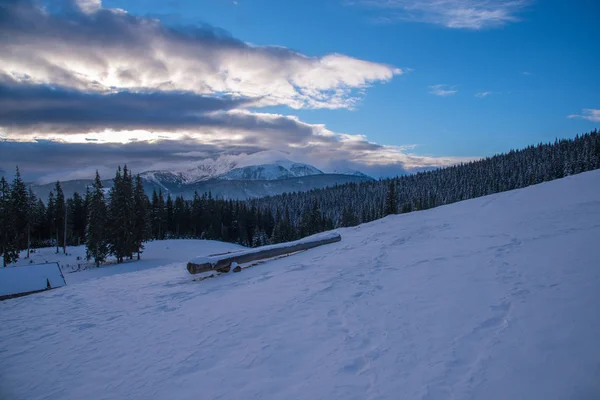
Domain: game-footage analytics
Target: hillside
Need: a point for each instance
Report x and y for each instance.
(491, 298)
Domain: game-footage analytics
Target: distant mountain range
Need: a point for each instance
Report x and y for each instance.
(257, 175)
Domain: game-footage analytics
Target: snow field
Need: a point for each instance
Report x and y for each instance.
(493, 298)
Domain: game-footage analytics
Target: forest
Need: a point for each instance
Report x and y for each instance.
(117, 221)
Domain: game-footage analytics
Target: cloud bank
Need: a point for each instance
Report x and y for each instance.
(85, 87)
(96, 49)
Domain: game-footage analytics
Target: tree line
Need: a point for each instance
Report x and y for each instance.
(118, 221)
(354, 203)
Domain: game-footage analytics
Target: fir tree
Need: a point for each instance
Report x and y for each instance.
(8, 245)
(59, 217)
(141, 222)
(32, 217)
(20, 210)
(121, 241)
(96, 229)
(391, 199)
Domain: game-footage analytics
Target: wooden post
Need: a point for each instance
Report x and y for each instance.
(223, 263)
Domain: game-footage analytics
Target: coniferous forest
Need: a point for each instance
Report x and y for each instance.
(118, 221)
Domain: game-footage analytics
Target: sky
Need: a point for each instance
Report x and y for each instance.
(381, 86)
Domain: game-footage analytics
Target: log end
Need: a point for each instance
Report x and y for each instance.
(191, 267)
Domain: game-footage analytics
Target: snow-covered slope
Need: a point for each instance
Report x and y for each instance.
(156, 253)
(492, 298)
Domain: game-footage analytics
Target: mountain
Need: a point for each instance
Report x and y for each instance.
(491, 298)
(244, 176)
(261, 166)
(280, 169)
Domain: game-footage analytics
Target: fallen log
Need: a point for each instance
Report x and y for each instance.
(222, 263)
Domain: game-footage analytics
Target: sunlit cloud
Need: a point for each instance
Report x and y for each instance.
(103, 50)
(95, 87)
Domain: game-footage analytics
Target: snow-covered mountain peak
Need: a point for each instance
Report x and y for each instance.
(264, 165)
(266, 157)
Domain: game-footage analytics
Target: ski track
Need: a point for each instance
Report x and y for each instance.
(491, 298)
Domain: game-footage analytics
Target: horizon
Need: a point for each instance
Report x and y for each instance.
(241, 162)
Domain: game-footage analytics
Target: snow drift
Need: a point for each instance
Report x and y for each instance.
(492, 298)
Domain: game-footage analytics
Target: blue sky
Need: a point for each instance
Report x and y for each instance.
(538, 70)
(508, 74)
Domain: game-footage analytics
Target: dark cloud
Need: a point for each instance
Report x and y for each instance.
(25, 106)
(67, 69)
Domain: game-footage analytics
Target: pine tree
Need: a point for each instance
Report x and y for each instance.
(77, 217)
(170, 215)
(59, 217)
(391, 200)
(50, 218)
(121, 241)
(141, 221)
(96, 230)
(32, 217)
(20, 210)
(8, 245)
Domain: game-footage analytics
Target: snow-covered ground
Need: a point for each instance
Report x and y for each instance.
(76, 269)
(493, 298)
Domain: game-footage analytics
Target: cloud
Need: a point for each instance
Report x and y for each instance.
(229, 132)
(482, 95)
(442, 90)
(98, 49)
(589, 114)
(26, 107)
(50, 160)
(89, 87)
(89, 6)
(459, 14)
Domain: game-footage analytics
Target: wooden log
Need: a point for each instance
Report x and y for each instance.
(223, 262)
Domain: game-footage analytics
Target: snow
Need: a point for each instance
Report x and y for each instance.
(29, 279)
(214, 259)
(262, 165)
(492, 298)
(155, 254)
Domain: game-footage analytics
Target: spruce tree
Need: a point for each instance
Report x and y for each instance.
(96, 240)
(391, 199)
(141, 218)
(121, 241)
(50, 218)
(32, 217)
(8, 245)
(77, 217)
(20, 210)
(59, 217)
